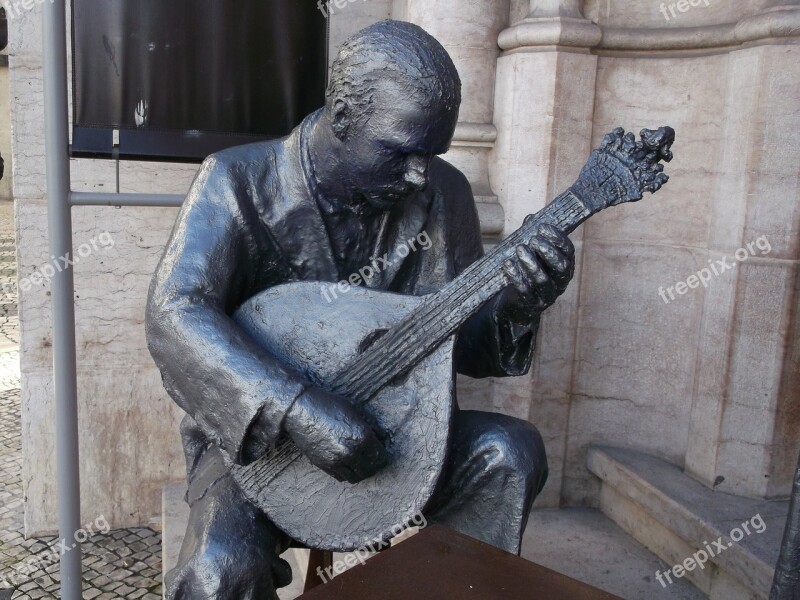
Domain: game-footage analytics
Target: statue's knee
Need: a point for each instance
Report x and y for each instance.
(226, 574)
(230, 550)
(517, 446)
(201, 577)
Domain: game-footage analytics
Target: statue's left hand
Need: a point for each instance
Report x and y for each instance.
(539, 273)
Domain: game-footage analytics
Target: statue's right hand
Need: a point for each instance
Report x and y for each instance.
(329, 430)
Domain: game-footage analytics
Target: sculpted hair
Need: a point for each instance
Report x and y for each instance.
(398, 50)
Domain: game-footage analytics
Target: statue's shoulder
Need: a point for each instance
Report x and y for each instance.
(233, 174)
(228, 180)
(444, 173)
(450, 183)
(245, 161)
(451, 188)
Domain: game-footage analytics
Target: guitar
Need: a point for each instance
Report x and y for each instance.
(396, 362)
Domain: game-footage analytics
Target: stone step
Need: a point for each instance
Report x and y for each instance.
(584, 544)
(680, 519)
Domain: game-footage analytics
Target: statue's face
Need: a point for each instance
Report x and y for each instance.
(390, 153)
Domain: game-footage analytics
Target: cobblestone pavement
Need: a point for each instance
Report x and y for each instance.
(123, 563)
(9, 325)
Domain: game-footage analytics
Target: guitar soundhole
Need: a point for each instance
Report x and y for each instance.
(370, 339)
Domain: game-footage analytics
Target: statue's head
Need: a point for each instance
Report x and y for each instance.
(392, 103)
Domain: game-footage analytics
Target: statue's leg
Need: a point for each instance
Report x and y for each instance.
(231, 550)
(496, 468)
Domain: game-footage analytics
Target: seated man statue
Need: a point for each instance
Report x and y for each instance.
(318, 205)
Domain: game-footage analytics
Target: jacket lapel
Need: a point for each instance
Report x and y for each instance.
(404, 223)
(293, 218)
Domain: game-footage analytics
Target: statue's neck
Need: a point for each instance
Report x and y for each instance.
(352, 226)
(325, 173)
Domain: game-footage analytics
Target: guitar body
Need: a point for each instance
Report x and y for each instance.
(318, 338)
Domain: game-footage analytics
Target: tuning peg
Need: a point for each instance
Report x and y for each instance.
(660, 140)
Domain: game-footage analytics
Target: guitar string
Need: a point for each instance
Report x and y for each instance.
(453, 303)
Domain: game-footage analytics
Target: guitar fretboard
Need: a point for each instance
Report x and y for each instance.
(443, 312)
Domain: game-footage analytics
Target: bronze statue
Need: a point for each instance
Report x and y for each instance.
(315, 359)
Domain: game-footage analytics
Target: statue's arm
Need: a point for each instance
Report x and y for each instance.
(209, 366)
(489, 344)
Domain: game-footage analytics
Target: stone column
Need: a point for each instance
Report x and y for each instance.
(555, 8)
(468, 30)
(351, 18)
(543, 110)
(543, 105)
(745, 425)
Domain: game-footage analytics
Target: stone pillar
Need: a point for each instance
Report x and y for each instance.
(468, 30)
(745, 424)
(543, 105)
(555, 8)
(351, 18)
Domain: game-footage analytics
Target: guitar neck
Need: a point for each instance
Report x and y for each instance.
(443, 312)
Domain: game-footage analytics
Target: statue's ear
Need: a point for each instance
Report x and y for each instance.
(341, 117)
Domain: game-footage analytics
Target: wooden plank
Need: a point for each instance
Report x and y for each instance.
(442, 563)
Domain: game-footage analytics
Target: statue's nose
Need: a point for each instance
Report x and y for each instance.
(417, 172)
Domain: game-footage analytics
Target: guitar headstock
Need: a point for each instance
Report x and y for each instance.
(623, 168)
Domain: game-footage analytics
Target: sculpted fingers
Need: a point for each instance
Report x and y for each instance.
(557, 263)
(563, 267)
(334, 436)
(538, 270)
(370, 457)
(541, 285)
(560, 240)
(516, 278)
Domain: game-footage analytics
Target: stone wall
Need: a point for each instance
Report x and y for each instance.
(708, 380)
(705, 380)
(5, 131)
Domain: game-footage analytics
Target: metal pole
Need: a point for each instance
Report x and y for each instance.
(59, 220)
(786, 582)
(106, 199)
